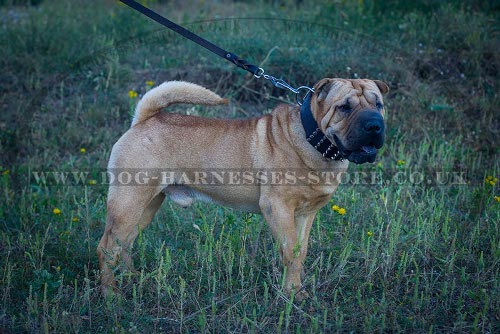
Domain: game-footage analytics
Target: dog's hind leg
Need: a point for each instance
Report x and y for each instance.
(128, 210)
(146, 218)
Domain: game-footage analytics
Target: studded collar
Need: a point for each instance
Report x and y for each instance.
(314, 135)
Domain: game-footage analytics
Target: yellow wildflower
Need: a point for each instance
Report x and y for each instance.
(497, 199)
(92, 182)
(6, 172)
(83, 150)
(132, 94)
(150, 83)
(56, 211)
(75, 219)
(490, 180)
(339, 210)
(400, 162)
(369, 233)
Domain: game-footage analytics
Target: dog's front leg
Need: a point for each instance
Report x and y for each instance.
(292, 233)
(303, 223)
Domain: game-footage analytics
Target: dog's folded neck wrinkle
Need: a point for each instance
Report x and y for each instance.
(314, 135)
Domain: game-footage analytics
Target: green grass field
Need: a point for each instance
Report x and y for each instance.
(418, 251)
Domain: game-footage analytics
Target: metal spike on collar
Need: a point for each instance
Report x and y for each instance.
(320, 142)
(313, 134)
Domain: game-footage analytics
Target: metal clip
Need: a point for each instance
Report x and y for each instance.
(280, 83)
(259, 73)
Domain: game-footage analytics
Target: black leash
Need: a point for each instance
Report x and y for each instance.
(242, 63)
(258, 72)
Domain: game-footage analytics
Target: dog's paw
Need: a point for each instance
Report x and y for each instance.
(301, 295)
(109, 291)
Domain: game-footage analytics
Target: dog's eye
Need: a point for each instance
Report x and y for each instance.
(345, 107)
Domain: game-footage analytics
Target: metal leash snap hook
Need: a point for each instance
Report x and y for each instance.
(280, 83)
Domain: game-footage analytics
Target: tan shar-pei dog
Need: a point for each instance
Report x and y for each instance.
(274, 162)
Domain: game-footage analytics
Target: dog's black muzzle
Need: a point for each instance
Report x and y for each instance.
(366, 136)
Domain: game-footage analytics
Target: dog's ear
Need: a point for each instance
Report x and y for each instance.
(322, 88)
(382, 86)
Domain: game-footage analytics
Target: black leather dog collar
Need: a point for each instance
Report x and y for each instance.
(314, 135)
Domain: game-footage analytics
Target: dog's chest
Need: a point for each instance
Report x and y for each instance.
(310, 199)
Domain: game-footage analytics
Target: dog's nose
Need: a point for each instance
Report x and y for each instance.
(374, 126)
(371, 128)
(372, 123)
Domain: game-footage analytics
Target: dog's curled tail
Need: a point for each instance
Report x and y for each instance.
(172, 92)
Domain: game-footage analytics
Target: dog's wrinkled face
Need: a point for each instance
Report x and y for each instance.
(350, 113)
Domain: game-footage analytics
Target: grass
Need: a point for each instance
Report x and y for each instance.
(405, 256)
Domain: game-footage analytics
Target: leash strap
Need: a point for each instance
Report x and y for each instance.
(242, 63)
(258, 72)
